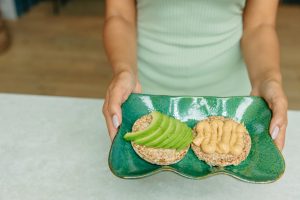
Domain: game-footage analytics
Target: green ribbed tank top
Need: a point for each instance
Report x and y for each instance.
(191, 47)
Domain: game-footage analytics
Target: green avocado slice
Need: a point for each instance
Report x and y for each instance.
(155, 123)
(177, 134)
(184, 138)
(165, 135)
(186, 141)
(155, 134)
(178, 140)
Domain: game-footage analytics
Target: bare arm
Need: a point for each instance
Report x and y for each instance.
(119, 37)
(260, 47)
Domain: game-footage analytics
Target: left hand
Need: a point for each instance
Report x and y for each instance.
(274, 95)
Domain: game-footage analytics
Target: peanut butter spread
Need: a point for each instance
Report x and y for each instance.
(220, 136)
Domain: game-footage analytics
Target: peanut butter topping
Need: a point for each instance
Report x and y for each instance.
(220, 136)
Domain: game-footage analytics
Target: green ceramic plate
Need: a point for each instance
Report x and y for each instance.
(263, 164)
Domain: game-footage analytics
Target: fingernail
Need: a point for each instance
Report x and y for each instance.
(115, 121)
(275, 132)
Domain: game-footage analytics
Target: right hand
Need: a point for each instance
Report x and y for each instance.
(121, 86)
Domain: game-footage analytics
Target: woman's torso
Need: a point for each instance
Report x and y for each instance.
(191, 47)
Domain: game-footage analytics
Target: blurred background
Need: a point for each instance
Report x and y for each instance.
(54, 47)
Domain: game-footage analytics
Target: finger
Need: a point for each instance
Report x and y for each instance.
(116, 97)
(138, 88)
(111, 130)
(280, 140)
(254, 93)
(279, 122)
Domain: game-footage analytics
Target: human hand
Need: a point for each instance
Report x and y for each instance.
(274, 95)
(121, 86)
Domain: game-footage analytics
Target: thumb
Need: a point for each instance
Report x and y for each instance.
(279, 122)
(138, 87)
(116, 98)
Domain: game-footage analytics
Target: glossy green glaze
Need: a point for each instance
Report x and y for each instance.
(264, 163)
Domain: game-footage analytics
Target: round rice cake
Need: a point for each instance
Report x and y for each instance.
(158, 156)
(216, 153)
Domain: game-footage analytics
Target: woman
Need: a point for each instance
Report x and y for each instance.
(194, 47)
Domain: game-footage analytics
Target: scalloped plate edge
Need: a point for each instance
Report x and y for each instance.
(170, 169)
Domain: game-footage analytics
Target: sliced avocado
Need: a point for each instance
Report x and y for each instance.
(155, 134)
(187, 141)
(170, 137)
(174, 137)
(178, 140)
(184, 138)
(155, 123)
(165, 135)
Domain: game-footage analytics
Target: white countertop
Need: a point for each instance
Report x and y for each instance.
(57, 148)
